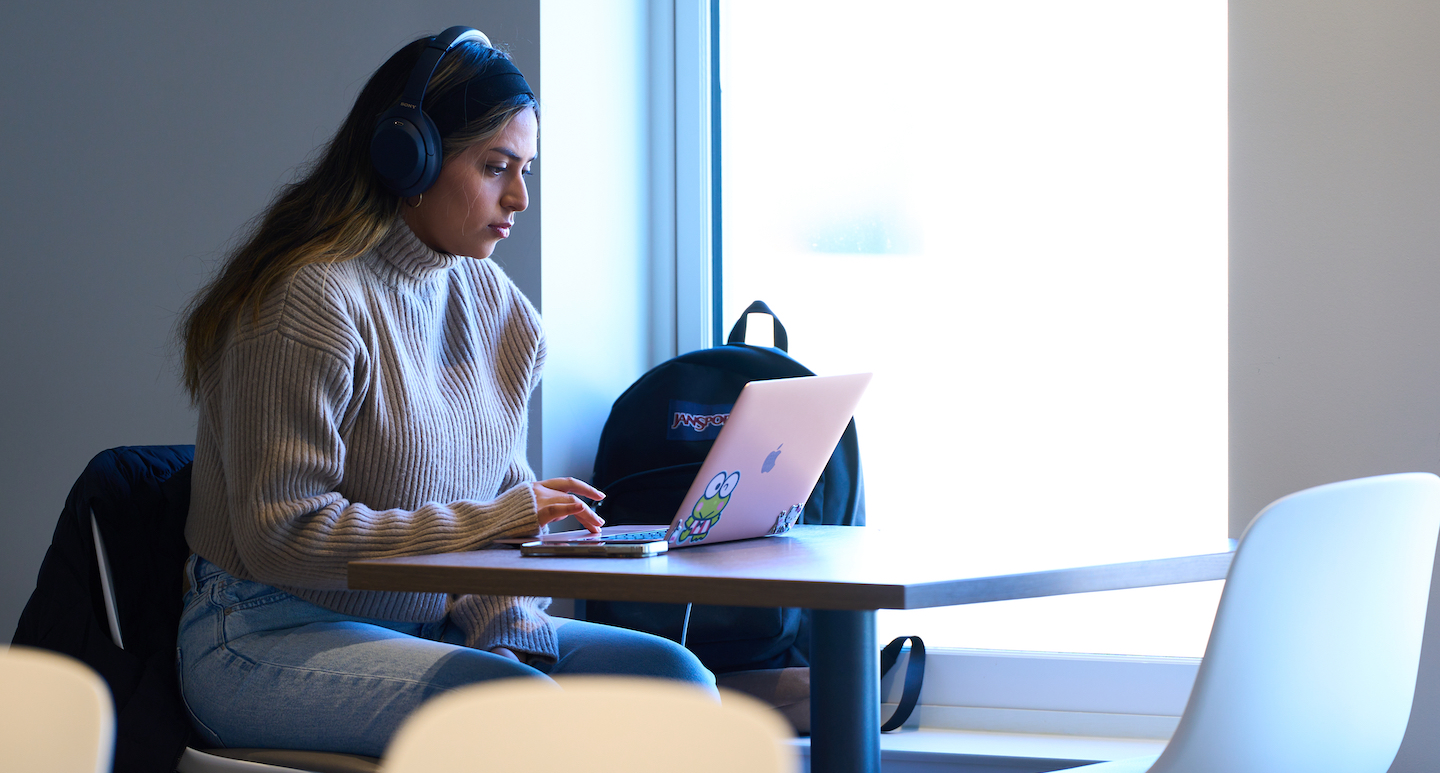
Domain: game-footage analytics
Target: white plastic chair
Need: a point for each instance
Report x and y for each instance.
(1311, 664)
(56, 714)
(229, 760)
(591, 724)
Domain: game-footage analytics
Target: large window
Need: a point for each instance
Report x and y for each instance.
(1014, 214)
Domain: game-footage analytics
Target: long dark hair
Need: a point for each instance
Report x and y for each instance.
(338, 210)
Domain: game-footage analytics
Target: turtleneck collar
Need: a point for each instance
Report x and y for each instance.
(402, 258)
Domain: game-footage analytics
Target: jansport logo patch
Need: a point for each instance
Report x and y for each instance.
(692, 421)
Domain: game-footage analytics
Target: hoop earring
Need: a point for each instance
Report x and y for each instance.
(416, 205)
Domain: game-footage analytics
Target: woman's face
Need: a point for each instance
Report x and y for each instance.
(472, 205)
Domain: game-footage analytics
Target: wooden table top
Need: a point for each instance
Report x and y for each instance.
(818, 567)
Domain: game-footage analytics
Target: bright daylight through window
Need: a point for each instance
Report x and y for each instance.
(1014, 214)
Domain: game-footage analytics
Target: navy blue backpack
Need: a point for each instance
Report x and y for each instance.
(651, 448)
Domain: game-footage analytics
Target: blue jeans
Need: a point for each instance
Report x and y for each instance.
(262, 668)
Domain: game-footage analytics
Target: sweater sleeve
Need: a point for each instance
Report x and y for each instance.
(517, 623)
(283, 457)
(519, 470)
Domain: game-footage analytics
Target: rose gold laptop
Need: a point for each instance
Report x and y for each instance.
(760, 470)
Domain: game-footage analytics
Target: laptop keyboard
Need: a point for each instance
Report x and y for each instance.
(655, 534)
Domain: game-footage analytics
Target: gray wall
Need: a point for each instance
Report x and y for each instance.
(149, 138)
(1335, 230)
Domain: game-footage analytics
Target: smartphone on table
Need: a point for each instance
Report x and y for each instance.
(610, 548)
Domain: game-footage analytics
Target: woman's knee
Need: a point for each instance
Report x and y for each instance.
(591, 648)
(671, 661)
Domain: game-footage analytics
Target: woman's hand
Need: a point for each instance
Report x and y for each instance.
(555, 499)
(505, 652)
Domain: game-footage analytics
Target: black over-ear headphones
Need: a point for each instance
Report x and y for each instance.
(405, 149)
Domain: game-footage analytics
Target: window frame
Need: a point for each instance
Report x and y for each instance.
(694, 34)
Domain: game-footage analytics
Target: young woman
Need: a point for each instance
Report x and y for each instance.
(363, 374)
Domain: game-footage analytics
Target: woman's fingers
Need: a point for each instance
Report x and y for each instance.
(574, 486)
(556, 499)
(505, 652)
(590, 520)
(553, 504)
(555, 510)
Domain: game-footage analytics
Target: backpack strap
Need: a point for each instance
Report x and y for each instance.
(914, 677)
(737, 333)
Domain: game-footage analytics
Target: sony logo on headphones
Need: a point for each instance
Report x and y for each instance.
(407, 104)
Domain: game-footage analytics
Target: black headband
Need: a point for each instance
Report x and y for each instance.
(498, 83)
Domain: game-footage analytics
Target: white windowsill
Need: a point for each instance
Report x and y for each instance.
(1038, 722)
(1046, 711)
(911, 750)
(1037, 693)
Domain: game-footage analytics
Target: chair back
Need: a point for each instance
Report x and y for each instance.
(1312, 661)
(591, 724)
(55, 714)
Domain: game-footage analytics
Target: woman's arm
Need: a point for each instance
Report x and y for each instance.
(283, 459)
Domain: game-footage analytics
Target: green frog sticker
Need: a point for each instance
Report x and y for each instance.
(706, 512)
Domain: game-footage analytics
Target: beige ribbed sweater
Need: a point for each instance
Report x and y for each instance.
(376, 407)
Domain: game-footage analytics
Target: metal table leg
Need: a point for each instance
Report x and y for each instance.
(844, 693)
